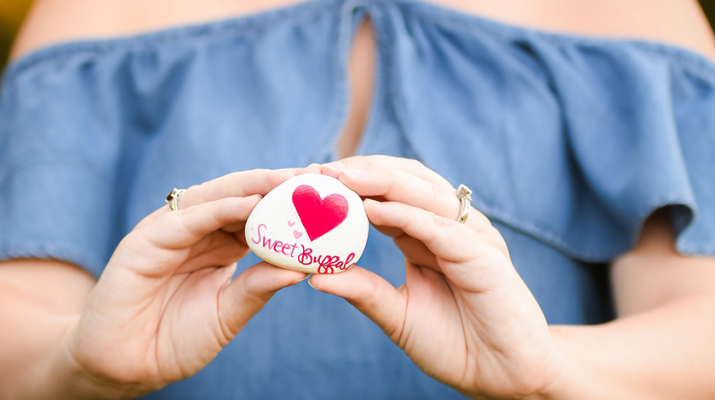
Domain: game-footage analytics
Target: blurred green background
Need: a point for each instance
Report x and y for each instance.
(13, 11)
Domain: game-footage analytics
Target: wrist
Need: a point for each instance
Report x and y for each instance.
(68, 379)
(557, 377)
(568, 383)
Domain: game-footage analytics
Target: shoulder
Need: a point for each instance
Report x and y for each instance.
(53, 22)
(675, 22)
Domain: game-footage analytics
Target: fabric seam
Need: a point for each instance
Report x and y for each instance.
(680, 55)
(548, 236)
(241, 24)
(17, 250)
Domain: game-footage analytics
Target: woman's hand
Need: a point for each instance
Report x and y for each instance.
(166, 305)
(464, 315)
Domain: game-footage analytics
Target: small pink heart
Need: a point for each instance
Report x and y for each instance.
(297, 234)
(291, 224)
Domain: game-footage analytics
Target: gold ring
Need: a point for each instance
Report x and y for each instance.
(464, 194)
(173, 198)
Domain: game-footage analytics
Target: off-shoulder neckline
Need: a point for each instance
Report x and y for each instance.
(689, 58)
(681, 54)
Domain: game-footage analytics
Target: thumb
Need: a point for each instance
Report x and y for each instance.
(371, 295)
(246, 295)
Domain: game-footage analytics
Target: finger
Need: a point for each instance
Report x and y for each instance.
(444, 237)
(417, 253)
(242, 298)
(397, 185)
(389, 231)
(238, 227)
(221, 248)
(310, 169)
(490, 235)
(237, 184)
(400, 186)
(370, 294)
(183, 228)
(466, 257)
(393, 184)
(406, 164)
(235, 227)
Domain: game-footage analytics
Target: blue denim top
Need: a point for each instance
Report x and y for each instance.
(569, 143)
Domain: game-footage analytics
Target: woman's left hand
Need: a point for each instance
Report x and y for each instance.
(464, 315)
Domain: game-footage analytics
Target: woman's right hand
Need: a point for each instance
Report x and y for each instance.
(166, 305)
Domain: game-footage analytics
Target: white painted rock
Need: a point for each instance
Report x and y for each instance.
(310, 223)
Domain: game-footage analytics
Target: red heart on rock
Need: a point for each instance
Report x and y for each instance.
(319, 216)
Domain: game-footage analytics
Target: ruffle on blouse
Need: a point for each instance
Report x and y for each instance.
(571, 140)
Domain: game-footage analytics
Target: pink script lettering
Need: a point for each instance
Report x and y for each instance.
(326, 263)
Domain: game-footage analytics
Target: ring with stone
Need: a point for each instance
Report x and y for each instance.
(173, 198)
(464, 194)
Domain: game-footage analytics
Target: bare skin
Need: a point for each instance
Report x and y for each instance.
(678, 22)
(463, 292)
(661, 339)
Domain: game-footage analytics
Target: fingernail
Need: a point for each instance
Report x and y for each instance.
(353, 173)
(311, 285)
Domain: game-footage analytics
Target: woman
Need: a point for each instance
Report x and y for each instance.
(588, 155)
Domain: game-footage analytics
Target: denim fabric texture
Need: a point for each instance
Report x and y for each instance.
(568, 142)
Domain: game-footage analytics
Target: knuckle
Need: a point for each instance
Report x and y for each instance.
(240, 204)
(182, 212)
(130, 240)
(415, 163)
(483, 224)
(438, 194)
(193, 193)
(219, 210)
(367, 161)
(258, 173)
(491, 231)
(390, 179)
(146, 221)
(408, 221)
(225, 209)
(440, 222)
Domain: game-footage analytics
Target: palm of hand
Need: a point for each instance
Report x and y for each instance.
(166, 305)
(153, 322)
(473, 341)
(464, 315)
(465, 318)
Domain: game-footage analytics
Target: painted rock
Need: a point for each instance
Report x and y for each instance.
(310, 223)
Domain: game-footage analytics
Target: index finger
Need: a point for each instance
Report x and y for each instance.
(405, 164)
(183, 228)
(241, 184)
(235, 184)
